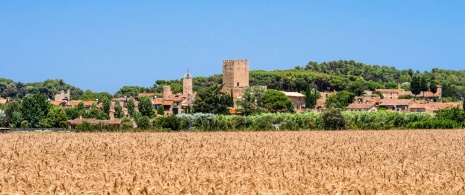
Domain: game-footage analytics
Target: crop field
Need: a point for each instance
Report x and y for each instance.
(315, 162)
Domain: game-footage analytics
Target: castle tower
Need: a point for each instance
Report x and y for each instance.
(167, 91)
(235, 77)
(187, 85)
(235, 73)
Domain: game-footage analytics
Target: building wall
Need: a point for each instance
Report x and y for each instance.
(167, 91)
(235, 77)
(63, 95)
(298, 102)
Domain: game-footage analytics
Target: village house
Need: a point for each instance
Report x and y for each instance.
(396, 93)
(369, 103)
(432, 107)
(176, 103)
(297, 99)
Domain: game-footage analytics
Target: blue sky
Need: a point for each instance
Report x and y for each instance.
(104, 45)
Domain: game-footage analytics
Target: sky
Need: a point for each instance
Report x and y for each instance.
(105, 45)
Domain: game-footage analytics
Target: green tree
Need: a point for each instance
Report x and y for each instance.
(311, 97)
(34, 108)
(144, 123)
(161, 110)
(415, 86)
(72, 113)
(211, 100)
(340, 100)
(333, 119)
(251, 101)
(130, 105)
(56, 116)
(129, 91)
(275, 101)
(423, 85)
(106, 106)
(13, 115)
(118, 110)
(88, 95)
(81, 108)
(96, 113)
(433, 87)
(126, 123)
(146, 107)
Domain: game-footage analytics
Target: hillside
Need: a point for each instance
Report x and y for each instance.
(335, 75)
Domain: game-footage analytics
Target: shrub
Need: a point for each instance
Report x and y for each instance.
(434, 124)
(144, 123)
(333, 119)
(126, 123)
(171, 122)
(24, 124)
(85, 126)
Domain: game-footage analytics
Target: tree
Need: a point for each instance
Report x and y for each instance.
(34, 108)
(275, 101)
(106, 106)
(143, 123)
(146, 107)
(211, 100)
(251, 101)
(118, 110)
(423, 85)
(13, 115)
(126, 123)
(56, 116)
(161, 110)
(81, 108)
(96, 113)
(130, 105)
(433, 87)
(340, 100)
(311, 96)
(72, 113)
(415, 86)
(333, 119)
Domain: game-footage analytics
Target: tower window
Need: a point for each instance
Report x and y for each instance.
(238, 84)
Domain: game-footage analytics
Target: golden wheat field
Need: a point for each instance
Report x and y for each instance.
(309, 162)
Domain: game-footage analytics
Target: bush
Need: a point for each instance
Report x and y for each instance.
(144, 123)
(126, 123)
(24, 124)
(333, 119)
(171, 122)
(434, 124)
(85, 126)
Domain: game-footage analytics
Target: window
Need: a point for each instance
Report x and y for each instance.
(238, 84)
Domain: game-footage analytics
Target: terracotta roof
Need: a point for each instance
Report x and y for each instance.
(361, 105)
(390, 90)
(167, 103)
(119, 99)
(56, 103)
(158, 101)
(292, 94)
(146, 94)
(3, 100)
(73, 103)
(395, 102)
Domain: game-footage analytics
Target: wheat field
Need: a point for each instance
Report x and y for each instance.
(310, 162)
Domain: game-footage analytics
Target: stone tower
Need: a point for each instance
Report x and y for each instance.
(235, 77)
(187, 85)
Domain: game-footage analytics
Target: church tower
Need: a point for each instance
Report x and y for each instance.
(187, 85)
